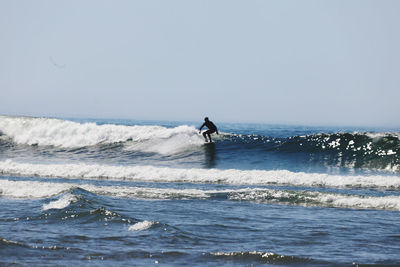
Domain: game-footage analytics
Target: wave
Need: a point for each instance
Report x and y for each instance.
(61, 203)
(34, 189)
(69, 134)
(193, 175)
(6, 242)
(320, 199)
(76, 204)
(139, 226)
(38, 190)
(351, 150)
(10, 244)
(355, 150)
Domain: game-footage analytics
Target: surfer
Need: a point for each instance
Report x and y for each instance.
(211, 129)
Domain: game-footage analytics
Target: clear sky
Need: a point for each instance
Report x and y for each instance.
(303, 62)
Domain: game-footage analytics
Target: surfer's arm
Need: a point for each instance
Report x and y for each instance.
(201, 127)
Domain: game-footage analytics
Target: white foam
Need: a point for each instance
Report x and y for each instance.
(68, 134)
(377, 136)
(307, 198)
(29, 190)
(194, 175)
(61, 203)
(181, 138)
(141, 226)
(34, 189)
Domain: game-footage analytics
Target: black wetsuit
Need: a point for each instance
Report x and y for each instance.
(211, 127)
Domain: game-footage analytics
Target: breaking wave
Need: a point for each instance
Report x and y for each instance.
(139, 226)
(61, 203)
(194, 175)
(69, 134)
(379, 151)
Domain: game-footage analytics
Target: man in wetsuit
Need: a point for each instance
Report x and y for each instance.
(211, 129)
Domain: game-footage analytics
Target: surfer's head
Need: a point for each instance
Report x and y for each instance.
(206, 118)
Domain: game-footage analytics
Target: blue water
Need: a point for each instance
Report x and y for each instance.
(124, 192)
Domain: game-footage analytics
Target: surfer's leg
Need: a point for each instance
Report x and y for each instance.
(204, 134)
(209, 134)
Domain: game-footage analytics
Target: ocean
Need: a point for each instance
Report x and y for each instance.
(103, 192)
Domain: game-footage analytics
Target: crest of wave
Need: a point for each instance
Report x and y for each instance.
(61, 203)
(141, 226)
(180, 138)
(62, 133)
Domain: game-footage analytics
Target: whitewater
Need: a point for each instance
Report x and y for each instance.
(102, 192)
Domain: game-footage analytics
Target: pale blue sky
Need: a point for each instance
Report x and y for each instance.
(303, 62)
